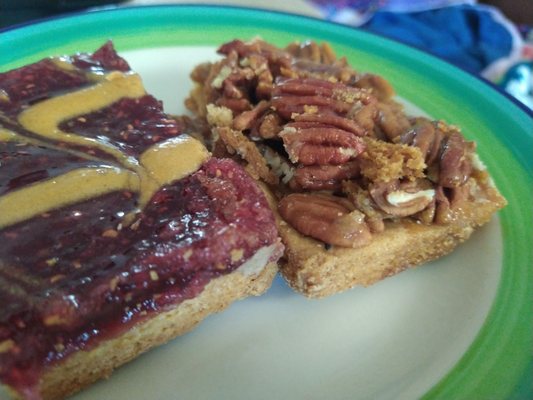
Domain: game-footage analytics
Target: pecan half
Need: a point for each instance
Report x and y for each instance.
(247, 119)
(311, 143)
(323, 177)
(291, 96)
(378, 84)
(333, 120)
(328, 218)
(455, 161)
(391, 120)
(426, 137)
(237, 142)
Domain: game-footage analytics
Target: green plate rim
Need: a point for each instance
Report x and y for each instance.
(497, 363)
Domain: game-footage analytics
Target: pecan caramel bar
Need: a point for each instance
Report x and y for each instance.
(352, 176)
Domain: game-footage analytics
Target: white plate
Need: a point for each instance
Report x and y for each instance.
(393, 340)
(444, 330)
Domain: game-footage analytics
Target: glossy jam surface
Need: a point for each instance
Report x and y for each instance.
(72, 277)
(23, 164)
(76, 274)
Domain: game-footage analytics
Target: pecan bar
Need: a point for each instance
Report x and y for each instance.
(362, 189)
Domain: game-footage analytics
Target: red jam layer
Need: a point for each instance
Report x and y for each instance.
(72, 277)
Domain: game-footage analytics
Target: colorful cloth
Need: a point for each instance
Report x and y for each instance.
(474, 37)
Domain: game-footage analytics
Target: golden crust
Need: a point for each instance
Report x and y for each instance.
(316, 272)
(85, 367)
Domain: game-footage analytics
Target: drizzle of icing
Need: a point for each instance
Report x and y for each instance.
(7, 135)
(66, 189)
(44, 117)
(169, 161)
(157, 166)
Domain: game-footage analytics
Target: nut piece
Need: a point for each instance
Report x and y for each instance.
(246, 119)
(400, 200)
(293, 96)
(426, 137)
(328, 218)
(310, 143)
(378, 84)
(455, 165)
(323, 177)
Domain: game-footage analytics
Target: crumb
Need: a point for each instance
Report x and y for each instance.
(219, 116)
(384, 162)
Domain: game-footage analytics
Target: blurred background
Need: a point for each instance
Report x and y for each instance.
(490, 38)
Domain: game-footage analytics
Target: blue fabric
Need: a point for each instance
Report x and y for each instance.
(464, 35)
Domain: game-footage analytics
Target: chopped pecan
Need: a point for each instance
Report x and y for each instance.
(201, 72)
(306, 87)
(246, 119)
(218, 116)
(319, 61)
(257, 166)
(364, 115)
(443, 212)
(312, 51)
(328, 218)
(236, 105)
(259, 64)
(319, 144)
(276, 58)
(392, 120)
(363, 202)
(338, 71)
(401, 200)
(323, 177)
(378, 84)
(267, 126)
